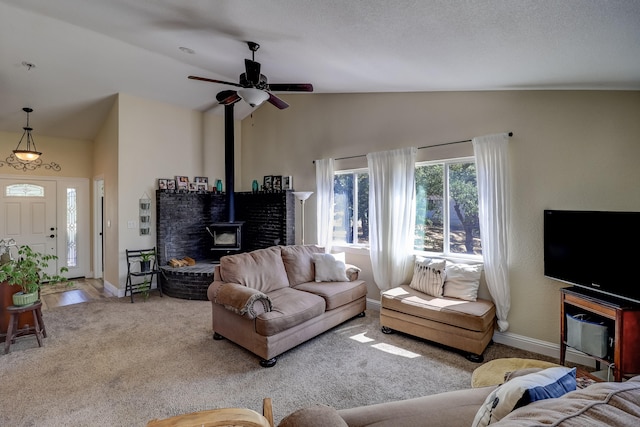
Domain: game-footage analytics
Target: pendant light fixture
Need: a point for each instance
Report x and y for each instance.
(29, 154)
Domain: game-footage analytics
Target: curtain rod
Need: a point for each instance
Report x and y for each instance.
(419, 148)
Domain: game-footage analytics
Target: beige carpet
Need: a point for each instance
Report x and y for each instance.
(113, 363)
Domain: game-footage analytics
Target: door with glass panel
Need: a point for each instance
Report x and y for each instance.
(28, 215)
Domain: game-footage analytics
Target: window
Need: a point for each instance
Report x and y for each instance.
(72, 227)
(446, 208)
(351, 207)
(24, 190)
(447, 225)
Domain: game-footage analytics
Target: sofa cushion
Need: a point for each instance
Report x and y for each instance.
(261, 269)
(314, 416)
(290, 307)
(454, 408)
(472, 315)
(428, 276)
(336, 294)
(330, 268)
(520, 391)
(298, 262)
(600, 404)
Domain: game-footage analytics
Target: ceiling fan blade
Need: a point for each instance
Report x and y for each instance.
(291, 87)
(274, 100)
(228, 97)
(253, 71)
(204, 79)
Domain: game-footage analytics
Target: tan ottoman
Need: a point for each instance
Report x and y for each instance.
(493, 372)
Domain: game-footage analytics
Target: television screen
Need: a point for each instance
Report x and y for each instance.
(594, 250)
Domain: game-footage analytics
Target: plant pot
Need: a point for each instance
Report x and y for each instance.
(145, 266)
(21, 299)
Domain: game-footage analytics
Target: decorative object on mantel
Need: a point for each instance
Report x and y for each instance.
(27, 159)
(182, 183)
(287, 183)
(255, 186)
(145, 214)
(302, 196)
(219, 186)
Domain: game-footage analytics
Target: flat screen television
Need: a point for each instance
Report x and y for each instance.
(595, 250)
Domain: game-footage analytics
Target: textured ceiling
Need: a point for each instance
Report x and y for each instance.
(86, 51)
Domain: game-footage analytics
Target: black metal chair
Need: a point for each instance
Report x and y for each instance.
(142, 268)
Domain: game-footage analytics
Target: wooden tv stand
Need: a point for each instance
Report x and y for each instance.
(623, 319)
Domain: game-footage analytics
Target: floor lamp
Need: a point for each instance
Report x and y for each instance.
(302, 196)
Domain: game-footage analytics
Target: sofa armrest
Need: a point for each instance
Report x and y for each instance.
(352, 272)
(242, 300)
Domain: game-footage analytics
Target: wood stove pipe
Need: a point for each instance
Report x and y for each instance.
(229, 166)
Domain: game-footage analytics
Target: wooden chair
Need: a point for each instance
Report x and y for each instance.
(221, 418)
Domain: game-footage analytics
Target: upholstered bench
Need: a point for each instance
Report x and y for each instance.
(453, 322)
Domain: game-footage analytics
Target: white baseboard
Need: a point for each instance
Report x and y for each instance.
(541, 347)
(113, 289)
(524, 343)
(373, 304)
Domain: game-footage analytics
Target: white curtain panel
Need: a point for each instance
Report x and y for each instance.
(392, 215)
(324, 187)
(492, 162)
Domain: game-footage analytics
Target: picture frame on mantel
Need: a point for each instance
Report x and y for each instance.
(267, 183)
(287, 182)
(276, 182)
(182, 182)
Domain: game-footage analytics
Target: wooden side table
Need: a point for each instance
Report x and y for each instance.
(13, 331)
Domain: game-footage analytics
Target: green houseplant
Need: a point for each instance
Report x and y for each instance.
(28, 272)
(145, 261)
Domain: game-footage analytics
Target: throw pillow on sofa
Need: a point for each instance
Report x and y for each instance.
(330, 268)
(520, 391)
(462, 281)
(429, 276)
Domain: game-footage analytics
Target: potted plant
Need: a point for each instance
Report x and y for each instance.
(28, 272)
(145, 261)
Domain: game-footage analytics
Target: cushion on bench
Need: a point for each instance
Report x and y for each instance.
(473, 315)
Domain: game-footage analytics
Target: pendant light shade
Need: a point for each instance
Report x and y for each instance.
(253, 96)
(30, 152)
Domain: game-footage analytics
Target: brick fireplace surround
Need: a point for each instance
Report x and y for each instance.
(269, 219)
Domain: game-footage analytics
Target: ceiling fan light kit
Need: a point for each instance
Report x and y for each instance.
(254, 87)
(252, 96)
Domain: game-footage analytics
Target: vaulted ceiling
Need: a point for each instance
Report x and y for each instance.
(83, 52)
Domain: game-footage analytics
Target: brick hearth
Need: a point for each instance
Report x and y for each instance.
(269, 219)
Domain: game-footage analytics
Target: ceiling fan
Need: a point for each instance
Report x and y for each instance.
(254, 88)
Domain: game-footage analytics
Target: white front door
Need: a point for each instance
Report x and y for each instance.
(28, 215)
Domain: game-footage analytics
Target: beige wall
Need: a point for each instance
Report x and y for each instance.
(105, 167)
(575, 150)
(213, 147)
(155, 140)
(71, 154)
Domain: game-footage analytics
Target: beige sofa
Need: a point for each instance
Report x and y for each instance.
(268, 301)
(601, 404)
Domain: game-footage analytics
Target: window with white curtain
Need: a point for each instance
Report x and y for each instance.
(446, 208)
(351, 207)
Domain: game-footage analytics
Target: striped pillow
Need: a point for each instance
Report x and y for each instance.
(428, 276)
